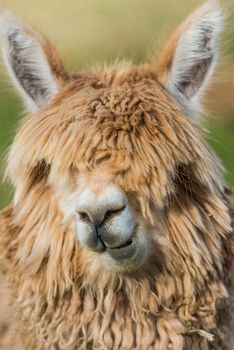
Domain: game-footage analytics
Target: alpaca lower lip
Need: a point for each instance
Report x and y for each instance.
(125, 251)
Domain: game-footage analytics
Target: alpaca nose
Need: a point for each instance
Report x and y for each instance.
(97, 206)
(98, 216)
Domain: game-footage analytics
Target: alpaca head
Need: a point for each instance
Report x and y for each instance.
(116, 147)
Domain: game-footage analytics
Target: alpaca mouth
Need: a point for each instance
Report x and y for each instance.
(123, 251)
(126, 244)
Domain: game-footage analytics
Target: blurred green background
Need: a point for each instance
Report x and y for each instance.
(92, 31)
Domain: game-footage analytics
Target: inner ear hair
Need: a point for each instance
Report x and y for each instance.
(33, 64)
(189, 56)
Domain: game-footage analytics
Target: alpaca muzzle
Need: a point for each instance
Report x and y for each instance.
(106, 225)
(109, 227)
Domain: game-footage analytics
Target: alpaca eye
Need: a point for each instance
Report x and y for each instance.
(40, 172)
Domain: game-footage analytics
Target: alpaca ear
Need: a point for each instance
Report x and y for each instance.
(32, 62)
(189, 56)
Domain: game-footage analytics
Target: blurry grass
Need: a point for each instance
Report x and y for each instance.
(101, 30)
(92, 30)
(9, 113)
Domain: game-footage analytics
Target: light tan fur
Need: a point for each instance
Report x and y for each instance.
(119, 126)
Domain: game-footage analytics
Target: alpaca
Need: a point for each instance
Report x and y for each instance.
(120, 233)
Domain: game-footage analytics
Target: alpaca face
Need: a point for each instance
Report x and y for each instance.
(113, 145)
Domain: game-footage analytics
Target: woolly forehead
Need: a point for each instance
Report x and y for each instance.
(136, 134)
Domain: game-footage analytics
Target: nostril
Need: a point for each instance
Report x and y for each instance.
(98, 220)
(113, 212)
(84, 216)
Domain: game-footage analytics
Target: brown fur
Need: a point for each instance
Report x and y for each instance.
(119, 126)
(8, 325)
